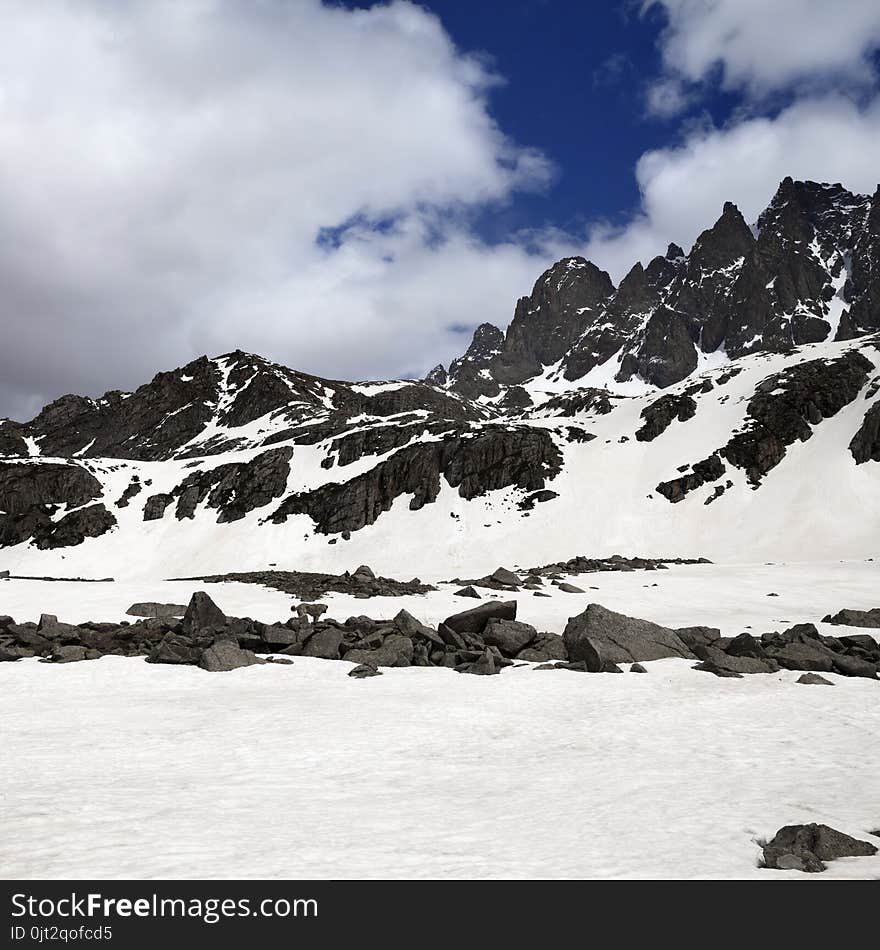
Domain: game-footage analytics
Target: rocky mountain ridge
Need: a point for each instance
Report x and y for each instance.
(807, 271)
(726, 361)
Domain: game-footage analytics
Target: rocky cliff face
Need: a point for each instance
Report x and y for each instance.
(806, 272)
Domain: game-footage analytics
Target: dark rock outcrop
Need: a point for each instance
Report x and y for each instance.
(31, 495)
(661, 413)
(787, 405)
(865, 445)
(491, 459)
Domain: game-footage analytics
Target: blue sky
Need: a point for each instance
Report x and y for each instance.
(350, 188)
(574, 75)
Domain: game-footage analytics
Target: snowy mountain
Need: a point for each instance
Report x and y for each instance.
(722, 403)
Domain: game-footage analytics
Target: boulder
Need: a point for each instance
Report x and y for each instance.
(745, 645)
(637, 668)
(407, 624)
(853, 666)
(225, 655)
(474, 620)
(151, 609)
(733, 664)
(571, 589)
(803, 656)
(468, 592)
(691, 636)
(547, 646)
(808, 847)
(363, 670)
(504, 576)
(51, 627)
(813, 679)
(365, 572)
(278, 636)
(324, 644)
(619, 639)
(510, 636)
(68, 654)
(855, 618)
(396, 650)
(483, 665)
(174, 648)
(863, 641)
(202, 613)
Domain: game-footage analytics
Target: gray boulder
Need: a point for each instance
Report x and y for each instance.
(510, 636)
(475, 620)
(278, 636)
(225, 655)
(855, 618)
(363, 670)
(407, 624)
(718, 659)
(619, 639)
(151, 609)
(325, 644)
(571, 589)
(808, 847)
(468, 591)
(483, 665)
(176, 649)
(504, 576)
(813, 679)
(202, 613)
(546, 646)
(68, 654)
(396, 650)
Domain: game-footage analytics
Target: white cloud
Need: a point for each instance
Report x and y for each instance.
(166, 168)
(666, 98)
(763, 47)
(683, 187)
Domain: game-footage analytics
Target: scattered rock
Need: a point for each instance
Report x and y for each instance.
(619, 639)
(224, 656)
(813, 679)
(510, 636)
(808, 847)
(484, 665)
(571, 589)
(202, 613)
(637, 668)
(151, 609)
(855, 618)
(468, 591)
(474, 620)
(363, 670)
(503, 576)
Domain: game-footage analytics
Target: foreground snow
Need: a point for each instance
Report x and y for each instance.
(117, 768)
(126, 770)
